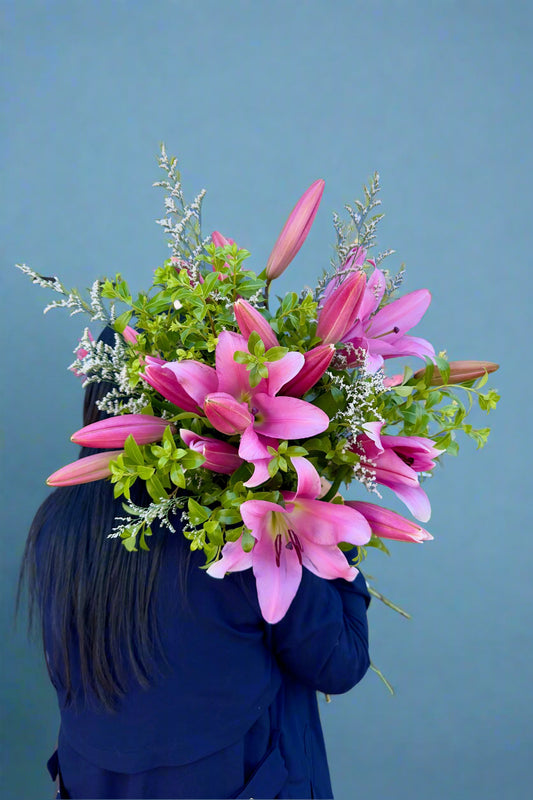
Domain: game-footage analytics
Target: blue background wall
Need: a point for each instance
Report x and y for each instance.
(258, 99)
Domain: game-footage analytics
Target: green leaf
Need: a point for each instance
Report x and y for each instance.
(192, 460)
(276, 353)
(197, 513)
(253, 340)
(210, 281)
(129, 543)
(444, 368)
(132, 450)
(403, 391)
(247, 541)
(155, 489)
(121, 321)
(241, 357)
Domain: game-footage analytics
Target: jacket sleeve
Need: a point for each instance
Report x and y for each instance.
(323, 638)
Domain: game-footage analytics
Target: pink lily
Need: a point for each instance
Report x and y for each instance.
(250, 319)
(303, 533)
(397, 460)
(316, 362)
(460, 371)
(84, 470)
(219, 456)
(295, 230)
(270, 416)
(341, 309)
(388, 524)
(114, 431)
(382, 334)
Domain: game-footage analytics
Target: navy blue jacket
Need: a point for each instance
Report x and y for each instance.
(233, 710)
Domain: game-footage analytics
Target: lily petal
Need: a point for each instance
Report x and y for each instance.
(327, 562)
(233, 377)
(309, 484)
(276, 585)
(197, 379)
(403, 313)
(287, 417)
(234, 559)
(328, 523)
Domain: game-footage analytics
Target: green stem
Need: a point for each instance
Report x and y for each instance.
(334, 488)
(267, 289)
(382, 677)
(388, 602)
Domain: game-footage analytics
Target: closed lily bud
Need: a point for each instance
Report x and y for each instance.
(130, 334)
(460, 371)
(84, 470)
(227, 414)
(250, 319)
(388, 524)
(316, 363)
(114, 431)
(339, 312)
(295, 230)
(219, 456)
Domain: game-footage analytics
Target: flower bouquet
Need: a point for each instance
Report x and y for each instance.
(245, 420)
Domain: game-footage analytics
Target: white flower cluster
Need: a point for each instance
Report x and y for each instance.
(146, 516)
(182, 221)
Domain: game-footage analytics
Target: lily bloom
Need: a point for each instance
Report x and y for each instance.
(84, 470)
(270, 416)
(383, 333)
(397, 460)
(388, 524)
(232, 406)
(295, 230)
(114, 431)
(303, 533)
(219, 456)
(460, 371)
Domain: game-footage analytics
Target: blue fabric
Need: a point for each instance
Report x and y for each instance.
(233, 710)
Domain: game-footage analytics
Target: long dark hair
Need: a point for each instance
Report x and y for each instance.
(88, 589)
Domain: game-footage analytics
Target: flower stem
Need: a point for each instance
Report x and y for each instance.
(387, 602)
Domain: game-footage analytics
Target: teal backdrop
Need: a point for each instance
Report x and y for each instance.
(258, 99)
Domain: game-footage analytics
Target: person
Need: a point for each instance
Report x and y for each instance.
(170, 684)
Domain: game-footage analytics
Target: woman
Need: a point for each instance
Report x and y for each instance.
(170, 684)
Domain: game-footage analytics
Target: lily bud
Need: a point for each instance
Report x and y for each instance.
(84, 470)
(460, 371)
(114, 431)
(227, 414)
(295, 230)
(316, 362)
(388, 524)
(250, 319)
(219, 456)
(130, 334)
(339, 312)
